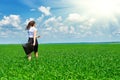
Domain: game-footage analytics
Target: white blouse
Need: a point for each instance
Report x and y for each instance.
(31, 32)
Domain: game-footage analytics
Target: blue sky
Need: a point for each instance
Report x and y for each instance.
(60, 21)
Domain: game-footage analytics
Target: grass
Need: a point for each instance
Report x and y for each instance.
(61, 62)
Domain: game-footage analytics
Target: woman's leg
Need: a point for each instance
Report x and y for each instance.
(36, 49)
(30, 40)
(29, 56)
(36, 54)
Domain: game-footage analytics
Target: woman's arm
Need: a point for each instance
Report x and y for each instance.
(38, 37)
(35, 32)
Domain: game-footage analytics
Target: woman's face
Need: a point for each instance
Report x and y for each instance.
(34, 25)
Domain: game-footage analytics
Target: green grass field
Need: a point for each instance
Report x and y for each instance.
(61, 62)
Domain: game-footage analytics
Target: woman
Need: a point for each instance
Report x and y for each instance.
(32, 32)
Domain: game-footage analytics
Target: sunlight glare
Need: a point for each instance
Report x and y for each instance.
(99, 7)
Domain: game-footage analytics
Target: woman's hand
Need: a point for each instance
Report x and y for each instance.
(33, 44)
(38, 36)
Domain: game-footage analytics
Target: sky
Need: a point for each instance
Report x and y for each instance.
(62, 21)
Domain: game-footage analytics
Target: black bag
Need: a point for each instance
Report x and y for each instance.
(28, 48)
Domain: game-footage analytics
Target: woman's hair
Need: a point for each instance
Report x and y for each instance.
(31, 23)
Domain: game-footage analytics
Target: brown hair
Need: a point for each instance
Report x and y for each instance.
(31, 23)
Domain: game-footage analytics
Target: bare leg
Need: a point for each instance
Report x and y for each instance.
(36, 54)
(29, 56)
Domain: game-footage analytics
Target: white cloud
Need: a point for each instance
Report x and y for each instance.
(59, 18)
(45, 10)
(50, 21)
(75, 17)
(116, 34)
(39, 19)
(49, 28)
(56, 24)
(13, 20)
(90, 21)
(3, 34)
(6, 33)
(72, 30)
(53, 21)
(55, 27)
(51, 25)
(88, 33)
(64, 29)
(98, 33)
(79, 25)
(75, 26)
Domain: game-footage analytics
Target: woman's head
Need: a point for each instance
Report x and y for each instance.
(30, 24)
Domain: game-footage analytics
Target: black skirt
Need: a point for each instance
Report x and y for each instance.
(28, 48)
(35, 48)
